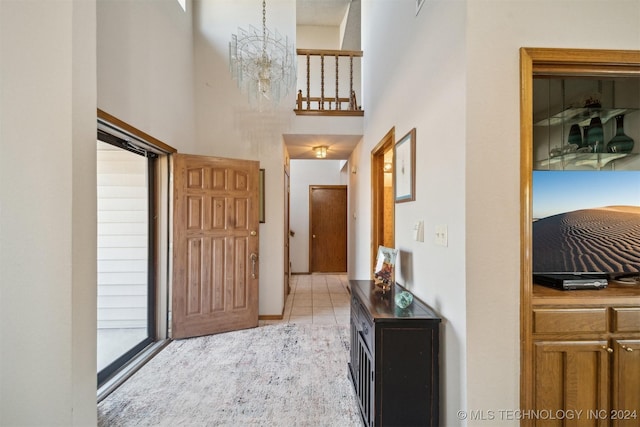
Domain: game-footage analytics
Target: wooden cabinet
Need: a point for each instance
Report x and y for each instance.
(586, 356)
(394, 359)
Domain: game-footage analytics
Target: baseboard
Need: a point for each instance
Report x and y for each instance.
(299, 274)
(271, 316)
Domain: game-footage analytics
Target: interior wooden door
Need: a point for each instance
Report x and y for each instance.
(328, 228)
(215, 255)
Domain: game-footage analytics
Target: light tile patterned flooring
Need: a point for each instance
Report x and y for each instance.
(316, 298)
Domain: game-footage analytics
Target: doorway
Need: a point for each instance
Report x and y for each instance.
(328, 228)
(132, 200)
(382, 197)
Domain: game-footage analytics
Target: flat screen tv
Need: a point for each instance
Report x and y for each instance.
(587, 222)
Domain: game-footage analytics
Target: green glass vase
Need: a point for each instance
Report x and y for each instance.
(620, 143)
(575, 136)
(595, 136)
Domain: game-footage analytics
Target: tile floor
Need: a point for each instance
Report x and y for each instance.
(316, 298)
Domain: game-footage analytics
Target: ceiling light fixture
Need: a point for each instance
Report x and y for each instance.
(321, 151)
(263, 64)
(387, 167)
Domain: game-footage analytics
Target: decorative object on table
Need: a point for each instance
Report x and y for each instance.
(575, 135)
(404, 169)
(384, 272)
(263, 63)
(404, 299)
(620, 143)
(595, 136)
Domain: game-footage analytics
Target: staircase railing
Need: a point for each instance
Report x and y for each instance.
(328, 102)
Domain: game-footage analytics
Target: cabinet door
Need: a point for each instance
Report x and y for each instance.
(571, 375)
(365, 385)
(625, 409)
(354, 346)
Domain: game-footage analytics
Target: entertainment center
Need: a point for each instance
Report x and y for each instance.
(580, 349)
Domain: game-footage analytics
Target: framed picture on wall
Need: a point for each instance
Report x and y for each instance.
(404, 168)
(261, 196)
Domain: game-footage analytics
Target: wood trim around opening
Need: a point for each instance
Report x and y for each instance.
(103, 115)
(377, 187)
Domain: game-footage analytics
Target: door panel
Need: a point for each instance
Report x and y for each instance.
(215, 284)
(571, 375)
(328, 226)
(626, 383)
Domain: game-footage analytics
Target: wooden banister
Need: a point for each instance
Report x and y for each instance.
(334, 104)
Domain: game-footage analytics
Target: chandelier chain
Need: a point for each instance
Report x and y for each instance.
(264, 28)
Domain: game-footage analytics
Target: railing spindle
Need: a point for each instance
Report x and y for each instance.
(337, 81)
(351, 106)
(321, 106)
(308, 82)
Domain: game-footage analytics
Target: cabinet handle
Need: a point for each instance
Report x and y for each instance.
(627, 348)
(609, 349)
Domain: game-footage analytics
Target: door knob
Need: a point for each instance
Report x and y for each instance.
(314, 236)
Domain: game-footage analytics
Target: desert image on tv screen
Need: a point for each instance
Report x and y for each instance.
(586, 221)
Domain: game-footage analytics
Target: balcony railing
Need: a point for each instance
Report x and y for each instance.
(338, 100)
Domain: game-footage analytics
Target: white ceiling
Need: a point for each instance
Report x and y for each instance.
(321, 12)
(300, 146)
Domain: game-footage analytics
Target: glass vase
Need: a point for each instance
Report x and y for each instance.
(620, 143)
(575, 136)
(595, 136)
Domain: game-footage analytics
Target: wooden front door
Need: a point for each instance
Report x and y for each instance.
(215, 229)
(328, 228)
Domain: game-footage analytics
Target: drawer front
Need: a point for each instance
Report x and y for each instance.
(626, 319)
(366, 328)
(561, 320)
(363, 323)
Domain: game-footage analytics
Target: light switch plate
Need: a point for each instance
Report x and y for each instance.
(442, 238)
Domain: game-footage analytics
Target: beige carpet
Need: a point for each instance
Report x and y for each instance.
(278, 375)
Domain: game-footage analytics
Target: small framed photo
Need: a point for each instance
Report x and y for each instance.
(404, 168)
(384, 272)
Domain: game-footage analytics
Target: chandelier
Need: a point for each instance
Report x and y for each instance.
(262, 63)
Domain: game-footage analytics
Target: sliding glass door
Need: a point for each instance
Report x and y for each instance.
(125, 252)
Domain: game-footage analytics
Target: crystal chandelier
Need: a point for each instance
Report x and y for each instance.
(263, 63)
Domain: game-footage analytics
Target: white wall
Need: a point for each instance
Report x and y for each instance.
(145, 68)
(303, 174)
(228, 127)
(48, 213)
(317, 37)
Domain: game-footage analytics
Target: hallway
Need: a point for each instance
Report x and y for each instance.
(316, 298)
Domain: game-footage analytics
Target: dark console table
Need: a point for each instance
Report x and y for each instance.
(394, 358)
